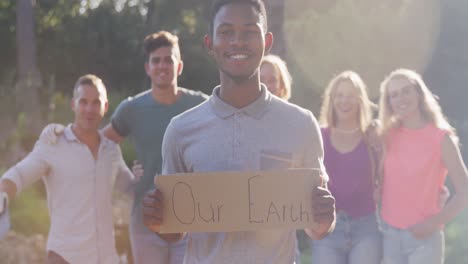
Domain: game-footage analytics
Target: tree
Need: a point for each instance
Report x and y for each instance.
(29, 79)
(275, 25)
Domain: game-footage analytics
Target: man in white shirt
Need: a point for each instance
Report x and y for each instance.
(79, 172)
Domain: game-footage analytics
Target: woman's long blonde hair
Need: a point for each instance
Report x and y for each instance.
(428, 104)
(327, 113)
(285, 78)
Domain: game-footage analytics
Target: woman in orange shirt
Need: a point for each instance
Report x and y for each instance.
(420, 148)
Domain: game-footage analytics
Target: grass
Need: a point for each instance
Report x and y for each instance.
(29, 214)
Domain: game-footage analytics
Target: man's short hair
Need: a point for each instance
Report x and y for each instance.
(259, 6)
(89, 79)
(160, 39)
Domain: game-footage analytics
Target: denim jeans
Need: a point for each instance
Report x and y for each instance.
(401, 247)
(149, 248)
(354, 241)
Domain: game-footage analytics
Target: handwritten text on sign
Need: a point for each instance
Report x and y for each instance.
(238, 201)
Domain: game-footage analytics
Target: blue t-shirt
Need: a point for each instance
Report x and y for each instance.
(144, 121)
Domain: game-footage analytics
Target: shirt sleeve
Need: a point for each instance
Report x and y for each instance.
(314, 153)
(121, 117)
(31, 168)
(172, 161)
(125, 179)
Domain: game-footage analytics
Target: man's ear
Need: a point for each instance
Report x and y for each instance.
(106, 107)
(268, 42)
(72, 104)
(147, 70)
(180, 67)
(208, 41)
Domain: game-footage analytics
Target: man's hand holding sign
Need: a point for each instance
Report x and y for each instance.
(239, 201)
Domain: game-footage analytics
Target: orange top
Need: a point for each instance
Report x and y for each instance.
(414, 174)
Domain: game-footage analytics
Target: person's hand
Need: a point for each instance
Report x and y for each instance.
(324, 212)
(51, 132)
(3, 202)
(153, 215)
(444, 196)
(373, 137)
(153, 210)
(424, 229)
(5, 224)
(137, 170)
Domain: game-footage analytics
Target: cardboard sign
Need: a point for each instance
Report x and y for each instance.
(238, 201)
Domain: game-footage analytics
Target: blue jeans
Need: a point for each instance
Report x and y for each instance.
(401, 247)
(149, 248)
(354, 241)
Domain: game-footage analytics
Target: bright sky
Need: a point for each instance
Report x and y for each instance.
(119, 5)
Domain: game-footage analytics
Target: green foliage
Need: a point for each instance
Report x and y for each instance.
(100, 41)
(29, 213)
(456, 234)
(22, 136)
(7, 36)
(59, 109)
(446, 75)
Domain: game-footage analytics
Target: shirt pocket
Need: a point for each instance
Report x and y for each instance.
(271, 159)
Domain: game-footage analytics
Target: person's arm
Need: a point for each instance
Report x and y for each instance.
(9, 187)
(8, 190)
(110, 133)
(458, 176)
(444, 196)
(126, 179)
(375, 147)
(153, 200)
(26, 172)
(324, 203)
(120, 124)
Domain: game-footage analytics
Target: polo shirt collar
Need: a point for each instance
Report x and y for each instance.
(255, 109)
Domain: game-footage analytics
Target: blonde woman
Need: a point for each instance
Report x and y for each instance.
(350, 160)
(421, 147)
(275, 75)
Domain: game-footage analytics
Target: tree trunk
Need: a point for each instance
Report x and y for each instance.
(29, 79)
(275, 9)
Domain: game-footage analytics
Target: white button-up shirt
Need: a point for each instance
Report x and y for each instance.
(79, 194)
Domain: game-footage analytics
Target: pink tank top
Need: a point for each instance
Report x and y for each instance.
(414, 174)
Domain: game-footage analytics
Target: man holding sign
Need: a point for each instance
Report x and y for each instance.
(237, 130)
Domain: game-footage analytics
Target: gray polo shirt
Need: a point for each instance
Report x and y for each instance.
(267, 134)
